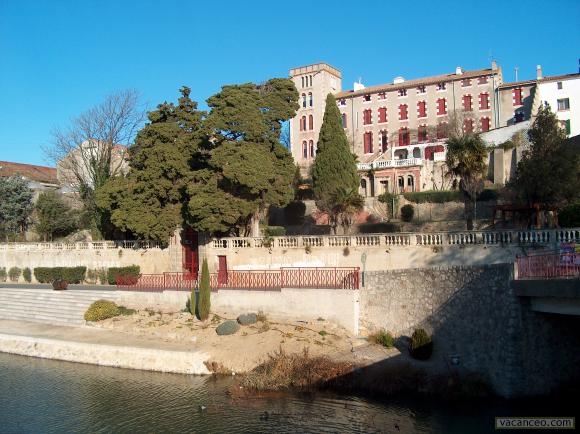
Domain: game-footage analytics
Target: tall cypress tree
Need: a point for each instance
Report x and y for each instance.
(334, 168)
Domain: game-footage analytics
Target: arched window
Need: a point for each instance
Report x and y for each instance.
(302, 81)
(310, 99)
(303, 123)
(311, 148)
(304, 100)
(401, 184)
(410, 183)
(344, 119)
(310, 122)
(304, 149)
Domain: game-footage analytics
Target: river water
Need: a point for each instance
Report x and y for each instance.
(47, 396)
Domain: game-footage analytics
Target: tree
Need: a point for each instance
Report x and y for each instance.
(334, 170)
(149, 200)
(54, 217)
(204, 304)
(347, 204)
(466, 159)
(93, 149)
(247, 168)
(548, 173)
(15, 205)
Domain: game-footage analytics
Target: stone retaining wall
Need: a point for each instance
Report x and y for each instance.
(473, 313)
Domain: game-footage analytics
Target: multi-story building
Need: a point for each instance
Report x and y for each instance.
(397, 130)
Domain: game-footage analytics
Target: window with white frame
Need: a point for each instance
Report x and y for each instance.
(441, 86)
(563, 104)
(421, 90)
(402, 92)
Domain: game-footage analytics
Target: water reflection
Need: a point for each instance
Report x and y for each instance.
(45, 396)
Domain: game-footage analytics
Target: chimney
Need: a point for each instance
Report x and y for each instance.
(539, 72)
(493, 65)
(458, 70)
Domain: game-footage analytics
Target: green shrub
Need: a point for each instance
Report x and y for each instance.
(407, 212)
(434, 196)
(27, 274)
(294, 213)
(487, 195)
(421, 345)
(247, 318)
(14, 273)
(70, 274)
(275, 231)
(2, 274)
(101, 309)
(129, 271)
(569, 216)
(204, 302)
(383, 337)
(227, 328)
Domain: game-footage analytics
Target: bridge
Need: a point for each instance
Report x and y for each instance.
(550, 282)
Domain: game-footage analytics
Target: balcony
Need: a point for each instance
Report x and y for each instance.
(385, 164)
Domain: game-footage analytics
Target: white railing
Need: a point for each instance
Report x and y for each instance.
(92, 245)
(383, 164)
(528, 237)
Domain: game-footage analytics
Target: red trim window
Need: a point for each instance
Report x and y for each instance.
(441, 106)
(304, 149)
(482, 80)
(382, 95)
(468, 126)
(384, 141)
(404, 138)
(403, 112)
(422, 133)
(310, 122)
(310, 101)
(382, 114)
(344, 119)
(467, 103)
(517, 96)
(402, 92)
(442, 130)
(304, 100)
(367, 117)
(311, 147)
(422, 109)
(303, 123)
(484, 101)
(485, 124)
(368, 142)
(465, 82)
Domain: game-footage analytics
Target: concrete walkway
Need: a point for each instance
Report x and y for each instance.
(92, 345)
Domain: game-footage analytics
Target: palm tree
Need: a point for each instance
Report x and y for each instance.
(347, 202)
(466, 159)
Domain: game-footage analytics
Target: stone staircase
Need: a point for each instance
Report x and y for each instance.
(48, 306)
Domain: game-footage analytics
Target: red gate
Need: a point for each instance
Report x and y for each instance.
(190, 255)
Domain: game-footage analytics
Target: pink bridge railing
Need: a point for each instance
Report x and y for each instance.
(548, 266)
(329, 278)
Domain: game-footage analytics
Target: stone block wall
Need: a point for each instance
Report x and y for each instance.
(473, 313)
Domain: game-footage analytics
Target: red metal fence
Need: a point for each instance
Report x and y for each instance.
(331, 278)
(548, 266)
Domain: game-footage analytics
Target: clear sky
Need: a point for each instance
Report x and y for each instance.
(58, 58)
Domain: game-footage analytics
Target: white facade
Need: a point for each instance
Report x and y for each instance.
(562, 93)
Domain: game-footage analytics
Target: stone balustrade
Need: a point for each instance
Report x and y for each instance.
(501, 237)
(92, 245)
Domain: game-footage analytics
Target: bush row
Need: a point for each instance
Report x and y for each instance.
(447, 196)
(70, 274)
(129, 271)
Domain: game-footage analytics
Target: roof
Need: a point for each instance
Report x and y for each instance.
(43, 174)
(417, 82)
(541, 80)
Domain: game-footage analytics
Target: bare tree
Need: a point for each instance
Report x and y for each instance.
(94, 147)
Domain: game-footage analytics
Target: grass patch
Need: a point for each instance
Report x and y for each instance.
(382, 337)
(284, 371)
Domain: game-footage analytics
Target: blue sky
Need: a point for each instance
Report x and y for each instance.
(59, 58)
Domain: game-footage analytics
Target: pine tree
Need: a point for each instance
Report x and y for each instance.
(548, 172)
(334, 168)
(204, 292)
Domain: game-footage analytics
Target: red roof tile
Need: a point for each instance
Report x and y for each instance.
(31, 172)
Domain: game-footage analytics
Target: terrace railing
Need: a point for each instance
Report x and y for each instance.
(90, 245)
(526, 237)
(557, 265)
